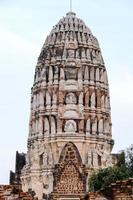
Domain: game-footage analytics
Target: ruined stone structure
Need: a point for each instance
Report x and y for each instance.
(13, 192)
(121, 190)
(70, 122)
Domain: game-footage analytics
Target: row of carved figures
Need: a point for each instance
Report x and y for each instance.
(65, 52)
(70, 24)
(71, 35)
(88, 74)
(97, 158)
(48, 126)
(90, 99)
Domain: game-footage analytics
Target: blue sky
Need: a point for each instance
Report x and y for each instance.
(23, 29)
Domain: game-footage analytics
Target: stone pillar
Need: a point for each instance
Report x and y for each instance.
(41, 100)
(48, 100)
(94, 126)
(92, 75)
(88, 127)
(44, 77)
(87, 99)
(95, 159)
(40, 126)
(97, 76)
(46, 127)
(100, 126)
(53, 126)
(54, 100)
(93, 100)
(56, 74)
(86, 75)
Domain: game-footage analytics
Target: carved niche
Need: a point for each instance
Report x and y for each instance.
(71, 98)
(70, 126)
(71, 73)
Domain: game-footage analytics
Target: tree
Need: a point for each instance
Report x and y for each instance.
(122, 170)
(129, 159)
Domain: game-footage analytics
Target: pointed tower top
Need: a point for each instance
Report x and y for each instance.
(71, 13)
(70, 5)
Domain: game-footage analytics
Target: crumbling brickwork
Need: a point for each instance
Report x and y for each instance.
(121, 190)
(13, 192)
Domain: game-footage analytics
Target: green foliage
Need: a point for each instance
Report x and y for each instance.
(129, 159)
(123, 170)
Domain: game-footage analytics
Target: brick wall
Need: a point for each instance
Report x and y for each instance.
(69, 174)
(13, 192)
(121, 190)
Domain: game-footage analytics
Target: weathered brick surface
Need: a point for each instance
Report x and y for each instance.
(121, 190)
(13, 192)
(69, 173)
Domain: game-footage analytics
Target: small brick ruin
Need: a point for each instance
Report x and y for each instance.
(13, 192)
(121, 190)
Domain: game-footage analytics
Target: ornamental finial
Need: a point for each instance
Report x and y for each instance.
(70, 5)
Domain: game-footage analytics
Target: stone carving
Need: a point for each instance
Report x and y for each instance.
(81, 98)
(50, 158)
(89, 158)
(62, 74)
(101, 76)
(45, 158)
(48, 100)
(41, 103)
(83, 54)
(86, 75)
(79, 74)
(94, 57)
(95, 158)
(34, 101)
(105, 78)
(87, 99)
(70, 126)
(71, 98)
(46, 126)
(93, 100)
(100, 126)
(71, 73)
(37, 123)
(71, 53)
(40, 126)
(106, 127)
(94, 126)
(102, 102)
(107, 103)
(88, 55)
(88, 127)
(100, 58)
(56, 74)
(77, 54)
(97, 75)
(54, 101)
(53, 126)
(50, 75)
(92, 74)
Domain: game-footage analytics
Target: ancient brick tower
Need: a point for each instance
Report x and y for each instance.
(70, 122)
